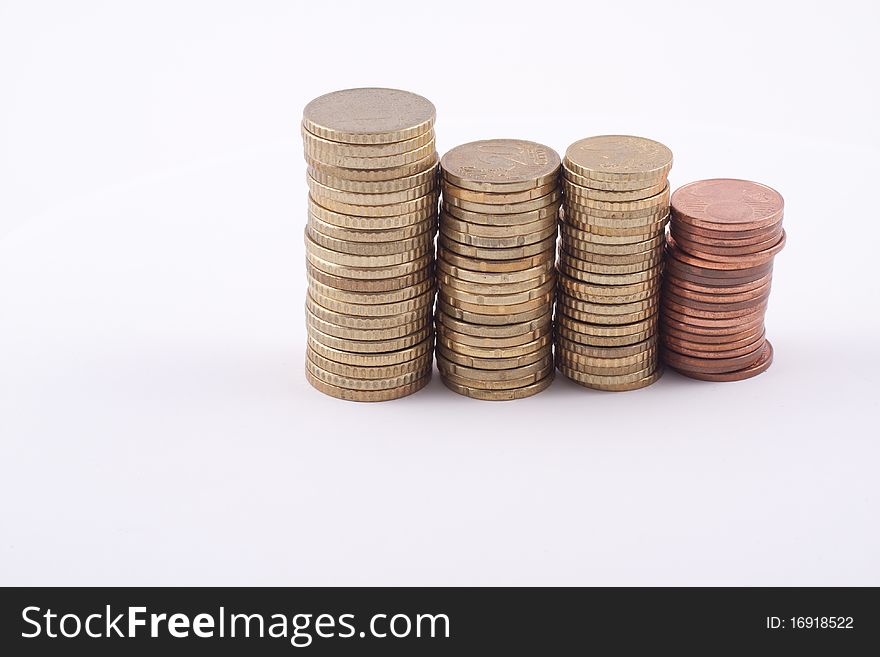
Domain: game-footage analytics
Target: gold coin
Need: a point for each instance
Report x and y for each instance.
(609, 279)
(575, 262)
(386, 162)
(659, 200)
(382, 359)
(482, 377)
(495, 266)
(499, 395)
(606, 320)
(395, 209)
(511, 241)
(364, 384)
(429, 163)
(315, 145)
(494, 351)
(316, 251)
(320, 191)
(585, 233)
(544, 301)
(389, 285)
(545, 246)
(493, 290)
(614, 293)
(371, 323)
(614, 353)
(378, 272)
(604, 186)
(361, 236)
(367, 395)
(629, 381)
(578, 295)
(367, 299)
(497, 385)
(496, 198)
(490, 320)
(482, 230)
(365, 334)
(495, 363)
(520, 331)
(581, 216)
(536, 293)
(371, 223)
(426, 176)
(619, 158)
(608, 371)
(626, 235)
(604, 365)
(610, 308)
(496, 278)
(500, 164)
(367, 346)
(360, 372)
(369, 116)
(604, 340)
(606, 330)
(573, 188)
(588, 251)
(536, 204)
(511, 219)
(424, 302)
(421, 243)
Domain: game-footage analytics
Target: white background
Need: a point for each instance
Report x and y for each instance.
(156, 424)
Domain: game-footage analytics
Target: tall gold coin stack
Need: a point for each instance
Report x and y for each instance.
(495, 272)
(372, 176)
(610, 261)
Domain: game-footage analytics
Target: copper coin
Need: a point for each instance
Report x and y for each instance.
(738, 307)
(741, 321)
(761, 365)
(713, 350)
(727, 246)
(719, 238)
(710, 365)
(738, 263)
(673, 287)
(716, 277)
(713, 288)
(685, 323)
(727, 204)
(738, 337)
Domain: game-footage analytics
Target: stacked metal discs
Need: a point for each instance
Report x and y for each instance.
(724, 235)
(495, 270)
(372, 176)
(610, 261)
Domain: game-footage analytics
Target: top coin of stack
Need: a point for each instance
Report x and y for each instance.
(610, 260)
(372, 176)
(724, 235)
(495, 269)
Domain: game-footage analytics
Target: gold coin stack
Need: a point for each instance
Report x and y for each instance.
(372, 176)
(495, 272)
(610, 260)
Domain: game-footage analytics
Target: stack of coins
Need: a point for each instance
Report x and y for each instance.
(495, 268)
(372, 176)
(724, 235)
(610, 261)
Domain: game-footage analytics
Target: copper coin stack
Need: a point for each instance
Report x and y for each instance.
(495, 270)
(373, 195)
(610, 260)
(724, 234)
